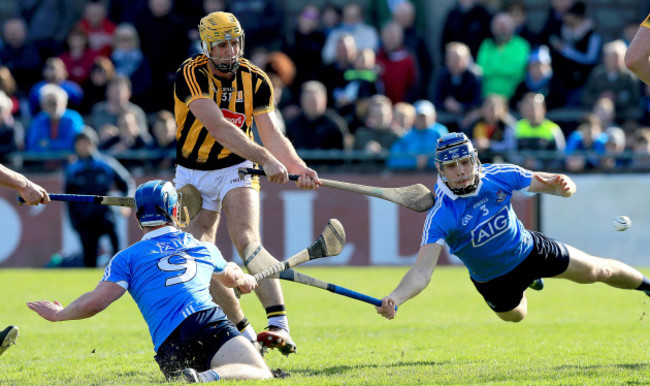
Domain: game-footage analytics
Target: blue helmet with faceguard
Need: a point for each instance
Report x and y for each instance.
(156, 203)
(455, 147)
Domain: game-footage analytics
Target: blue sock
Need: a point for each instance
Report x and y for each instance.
(645, 286)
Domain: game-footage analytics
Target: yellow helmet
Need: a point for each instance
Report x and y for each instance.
(220, 27)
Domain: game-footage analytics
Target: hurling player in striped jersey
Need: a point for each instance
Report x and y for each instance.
(474, 217)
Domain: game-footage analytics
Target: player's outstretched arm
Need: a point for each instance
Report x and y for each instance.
(85, 306)
(32, 193)
(549, 183)
(274, 140)
(414, 281)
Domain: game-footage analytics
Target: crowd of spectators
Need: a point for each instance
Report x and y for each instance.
(341, 82)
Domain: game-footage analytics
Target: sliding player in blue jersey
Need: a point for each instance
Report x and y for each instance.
(473, 215)
(168, 275)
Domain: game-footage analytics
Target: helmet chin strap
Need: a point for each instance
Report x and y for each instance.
(466, 190)
(223, 67)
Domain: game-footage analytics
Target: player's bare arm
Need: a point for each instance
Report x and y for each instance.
(549, 183)
(32, 193)
(414, 281)
(282, 148)
(85, 306)
(232, 138)
(637, 56)
(233, 276)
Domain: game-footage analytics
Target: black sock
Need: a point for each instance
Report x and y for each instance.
(241, 326)
(278, 310)
(645, 285)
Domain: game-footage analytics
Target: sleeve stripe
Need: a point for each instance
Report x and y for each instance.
(429, 219)
(191, 81)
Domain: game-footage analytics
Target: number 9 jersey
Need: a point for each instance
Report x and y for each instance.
(160, 270)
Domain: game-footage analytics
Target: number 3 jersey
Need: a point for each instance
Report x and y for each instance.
(250, 92)
(481, 228)
(168, 275)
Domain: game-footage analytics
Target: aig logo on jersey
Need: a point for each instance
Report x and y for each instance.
(491, 228)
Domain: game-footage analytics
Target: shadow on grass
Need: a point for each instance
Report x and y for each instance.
(343, 369)
(627, 366)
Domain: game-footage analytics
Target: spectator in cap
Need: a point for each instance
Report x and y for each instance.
(415, 149)
(95, 174)
(538, 77)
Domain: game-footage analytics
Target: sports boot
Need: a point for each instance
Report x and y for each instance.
(8, 337)
(276, 337)
(537, 284)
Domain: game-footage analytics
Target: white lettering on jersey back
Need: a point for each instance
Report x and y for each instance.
(491, 228)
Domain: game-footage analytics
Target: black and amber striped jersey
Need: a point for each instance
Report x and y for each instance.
(248, 93)
(646, 22)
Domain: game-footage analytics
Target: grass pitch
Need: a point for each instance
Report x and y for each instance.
(574, 334)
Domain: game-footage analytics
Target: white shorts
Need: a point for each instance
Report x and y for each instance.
(215, 184)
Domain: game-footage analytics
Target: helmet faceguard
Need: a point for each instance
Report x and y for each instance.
(157, 203)
(456, 148)
(222, 28)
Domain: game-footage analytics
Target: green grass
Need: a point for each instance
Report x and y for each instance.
(573, 334)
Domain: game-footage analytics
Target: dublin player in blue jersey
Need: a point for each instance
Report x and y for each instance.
(474, 217)
(168, 274)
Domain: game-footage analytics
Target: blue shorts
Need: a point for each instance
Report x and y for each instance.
(548, 258)
(195, 342)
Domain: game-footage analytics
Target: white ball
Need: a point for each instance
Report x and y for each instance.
(622, 223)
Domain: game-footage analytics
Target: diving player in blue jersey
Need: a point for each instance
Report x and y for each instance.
(473, 215)
(168, 275)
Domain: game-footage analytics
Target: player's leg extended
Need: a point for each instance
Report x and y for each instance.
(241, 207)
(584, 268)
